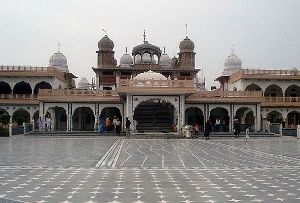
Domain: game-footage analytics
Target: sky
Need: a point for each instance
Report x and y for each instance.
(265, 33)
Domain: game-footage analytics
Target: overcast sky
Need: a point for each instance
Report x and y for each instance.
(265, 33)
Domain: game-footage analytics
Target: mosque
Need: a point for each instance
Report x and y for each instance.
(156, 92)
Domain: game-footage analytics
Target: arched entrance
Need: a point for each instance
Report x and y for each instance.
(154, 116)
(274, 117)
(223, 115)
(5, 88)
(22, 88)
(253, 87)
(83, 119)
(59, 118)
(293, 119)
(111, 112)
(273, 91)
(41, 85)
(292, 91)
(194, 115)
(246, 118)
(20, 116)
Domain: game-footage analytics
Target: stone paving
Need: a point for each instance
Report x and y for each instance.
(99, 169)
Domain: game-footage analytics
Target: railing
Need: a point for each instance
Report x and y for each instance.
(77, 92)
(18, 96)
(26, 128)
(270, 72)
(219, 93)
(44, 71)
(156, 83)
(282, 99)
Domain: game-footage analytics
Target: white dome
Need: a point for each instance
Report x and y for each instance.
(150, 75)
(126, 60)
(232, 64)
(59, 61)
(83, 84)
(165, 60)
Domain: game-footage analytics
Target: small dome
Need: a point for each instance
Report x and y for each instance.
(150, 75)
(83, 84)
(186, 45)
(126, 60)
(165, 60)
(59, 61)
(105, 44)
(232, 64)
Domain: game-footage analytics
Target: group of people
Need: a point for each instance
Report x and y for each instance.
(45, 124)
(113, 126)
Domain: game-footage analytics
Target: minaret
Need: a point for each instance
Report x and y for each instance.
(186, 57)
(106, 54)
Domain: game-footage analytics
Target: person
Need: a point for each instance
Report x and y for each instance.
(268, 126)
(118, 126)
(218, 123)
(115, 122)
(101, 125)
(43, 123)
(107, 124)
(208, 128)
(48, 123)
(236, 128)
(197, 129)
(127, 126)
(247, 133)
(40, 124)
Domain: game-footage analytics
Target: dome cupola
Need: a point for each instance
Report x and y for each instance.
(186, 45)
(165, 60)
(59, 61)
(126, 60)
(232, 64)
(83, 84)
(150, 75)
(105, 44)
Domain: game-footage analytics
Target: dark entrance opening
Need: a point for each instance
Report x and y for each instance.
(154, 116)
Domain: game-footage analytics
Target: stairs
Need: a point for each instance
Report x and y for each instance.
(154, 117)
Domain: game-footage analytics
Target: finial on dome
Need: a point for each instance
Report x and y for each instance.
(186, 30)
(164, 50)
(126, 50)
(104, 31)
(58, 47)
(232, 49)
(144, 35)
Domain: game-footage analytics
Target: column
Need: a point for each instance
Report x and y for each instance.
(258, 118)
(181, 111)
(231, 116)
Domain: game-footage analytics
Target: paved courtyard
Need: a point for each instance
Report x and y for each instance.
(113, 169)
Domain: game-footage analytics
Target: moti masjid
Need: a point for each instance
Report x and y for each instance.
(156, 92)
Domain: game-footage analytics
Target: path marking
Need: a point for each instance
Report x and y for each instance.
(105, 156)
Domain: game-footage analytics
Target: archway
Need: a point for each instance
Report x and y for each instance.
(273, 91)
(59, 118)
(83, 119)
(274, 117)
(154, 116)
(223, 115)
(293, 119)
(3, 111)
(292, 91)
(5, 88)
(41, 85)
(110, 112)
(253, 87)
(20, 116)
(194, 115)
(246, 118)
(22, 88)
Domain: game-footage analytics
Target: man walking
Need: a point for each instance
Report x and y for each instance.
(208, 128)
(127, 126)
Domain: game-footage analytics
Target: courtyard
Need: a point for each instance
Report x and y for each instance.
(116, 169)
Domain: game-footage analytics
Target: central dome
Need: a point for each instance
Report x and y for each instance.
(59, 61)
(146, 47)
(150, 75)
(232, 64)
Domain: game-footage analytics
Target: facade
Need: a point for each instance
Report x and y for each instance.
(156, 92)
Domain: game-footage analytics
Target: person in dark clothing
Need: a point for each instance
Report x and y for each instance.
(118, 126)
(127, 125)
(236, 128)
(208, 128)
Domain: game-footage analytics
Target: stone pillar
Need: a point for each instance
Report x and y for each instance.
(231, 116)
(298, 131)
(129, 110)
(258, 118)
(181, 111)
